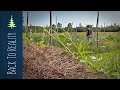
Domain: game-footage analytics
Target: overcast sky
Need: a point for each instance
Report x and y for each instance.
(84, 17)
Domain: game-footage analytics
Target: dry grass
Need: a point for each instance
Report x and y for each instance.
(53, 63)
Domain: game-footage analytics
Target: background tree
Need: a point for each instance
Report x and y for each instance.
(23, 29)
(80, 28)
(47, 27)
(54, 27)
(59, 25)
(69, 27)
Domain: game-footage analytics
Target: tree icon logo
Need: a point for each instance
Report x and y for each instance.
(11, 23)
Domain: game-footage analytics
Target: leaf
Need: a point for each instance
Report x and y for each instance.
(86, 52)
(75, 54)
(63, 37)
(80, 47)
(93, 57)
(40, 43)
(83, 61)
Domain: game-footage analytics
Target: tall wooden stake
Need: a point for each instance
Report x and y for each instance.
(76, 28)
(104, 29)
(72, 27)
(50, 27)
(27, 24)
(97, 26)
(35, 29)
(56, 25)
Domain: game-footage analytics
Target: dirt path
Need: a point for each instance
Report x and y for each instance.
(52, 63)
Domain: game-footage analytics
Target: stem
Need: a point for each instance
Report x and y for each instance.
(88, 61)
(59, 41)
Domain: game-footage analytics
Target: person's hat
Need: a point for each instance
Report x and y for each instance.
(89, 26)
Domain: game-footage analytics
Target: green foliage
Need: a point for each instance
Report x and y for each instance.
(105, 58)
(110, 37)
(111, 67)
(54, 27)
(66, 41)
(40, 43)
(91, 56)
(69, 28)
(80, 29)
(25, 38)
(59, 26)
(23, 29)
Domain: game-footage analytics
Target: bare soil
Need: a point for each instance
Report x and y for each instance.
(53, 63)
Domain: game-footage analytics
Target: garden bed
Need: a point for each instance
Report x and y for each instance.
(53, 63)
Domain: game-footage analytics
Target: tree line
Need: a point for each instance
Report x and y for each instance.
(70, 28)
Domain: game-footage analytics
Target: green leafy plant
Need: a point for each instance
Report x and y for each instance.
(105, 58)
(111, 66)
(76, 49)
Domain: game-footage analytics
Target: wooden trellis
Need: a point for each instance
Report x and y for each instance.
(27, 25)
(50, 27)
(97, 26)
(56, 25)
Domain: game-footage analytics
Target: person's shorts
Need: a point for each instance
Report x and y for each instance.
(89, 36)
